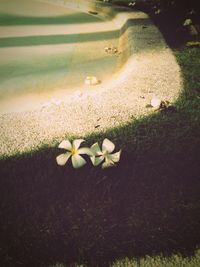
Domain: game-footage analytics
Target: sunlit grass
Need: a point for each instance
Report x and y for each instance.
(154, 261)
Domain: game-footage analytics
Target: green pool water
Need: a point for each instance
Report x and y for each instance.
(48, 50)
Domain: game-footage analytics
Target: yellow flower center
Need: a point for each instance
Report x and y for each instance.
(73, 151)
(105, 153)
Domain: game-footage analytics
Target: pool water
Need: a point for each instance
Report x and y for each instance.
(48, 50)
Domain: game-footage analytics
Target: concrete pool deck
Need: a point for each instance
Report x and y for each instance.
(147, 68)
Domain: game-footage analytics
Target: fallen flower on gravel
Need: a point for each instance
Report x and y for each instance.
(156, 102)
(104, 154)
(74, 152)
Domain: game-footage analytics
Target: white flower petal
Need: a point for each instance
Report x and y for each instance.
(78, 161)
(63, 158)
(76, 143)
(65, 144)
(115, 157)
(96, 160)
(108, 146)
(92, 159)
(107, 164)
(96, 149)
(85, 150)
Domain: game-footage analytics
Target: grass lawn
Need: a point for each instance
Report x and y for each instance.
(144, 212)
(155, 261)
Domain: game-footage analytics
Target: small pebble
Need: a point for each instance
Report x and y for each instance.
(91, 80)
(111, 50)
(132, 4)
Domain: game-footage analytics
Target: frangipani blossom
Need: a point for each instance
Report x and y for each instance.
(104, 154)
(74, 152)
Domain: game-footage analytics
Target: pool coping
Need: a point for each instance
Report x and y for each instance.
(148, 68)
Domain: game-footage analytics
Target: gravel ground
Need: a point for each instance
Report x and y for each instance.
(147, 68)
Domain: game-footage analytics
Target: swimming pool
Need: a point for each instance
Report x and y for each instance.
(47, 51)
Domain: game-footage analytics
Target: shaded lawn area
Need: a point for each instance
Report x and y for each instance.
(148, 205)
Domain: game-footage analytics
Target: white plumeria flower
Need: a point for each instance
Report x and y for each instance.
(104, 154)
(74, 152)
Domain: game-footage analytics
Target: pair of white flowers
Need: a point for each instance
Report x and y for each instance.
(97, 155)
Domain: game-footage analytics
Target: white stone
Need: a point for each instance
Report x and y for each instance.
(91, 80)
(187, 22)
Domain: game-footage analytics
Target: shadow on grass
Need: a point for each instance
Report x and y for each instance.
(148, 204)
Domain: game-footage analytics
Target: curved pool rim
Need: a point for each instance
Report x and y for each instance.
(46, 55)
(148, 69)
